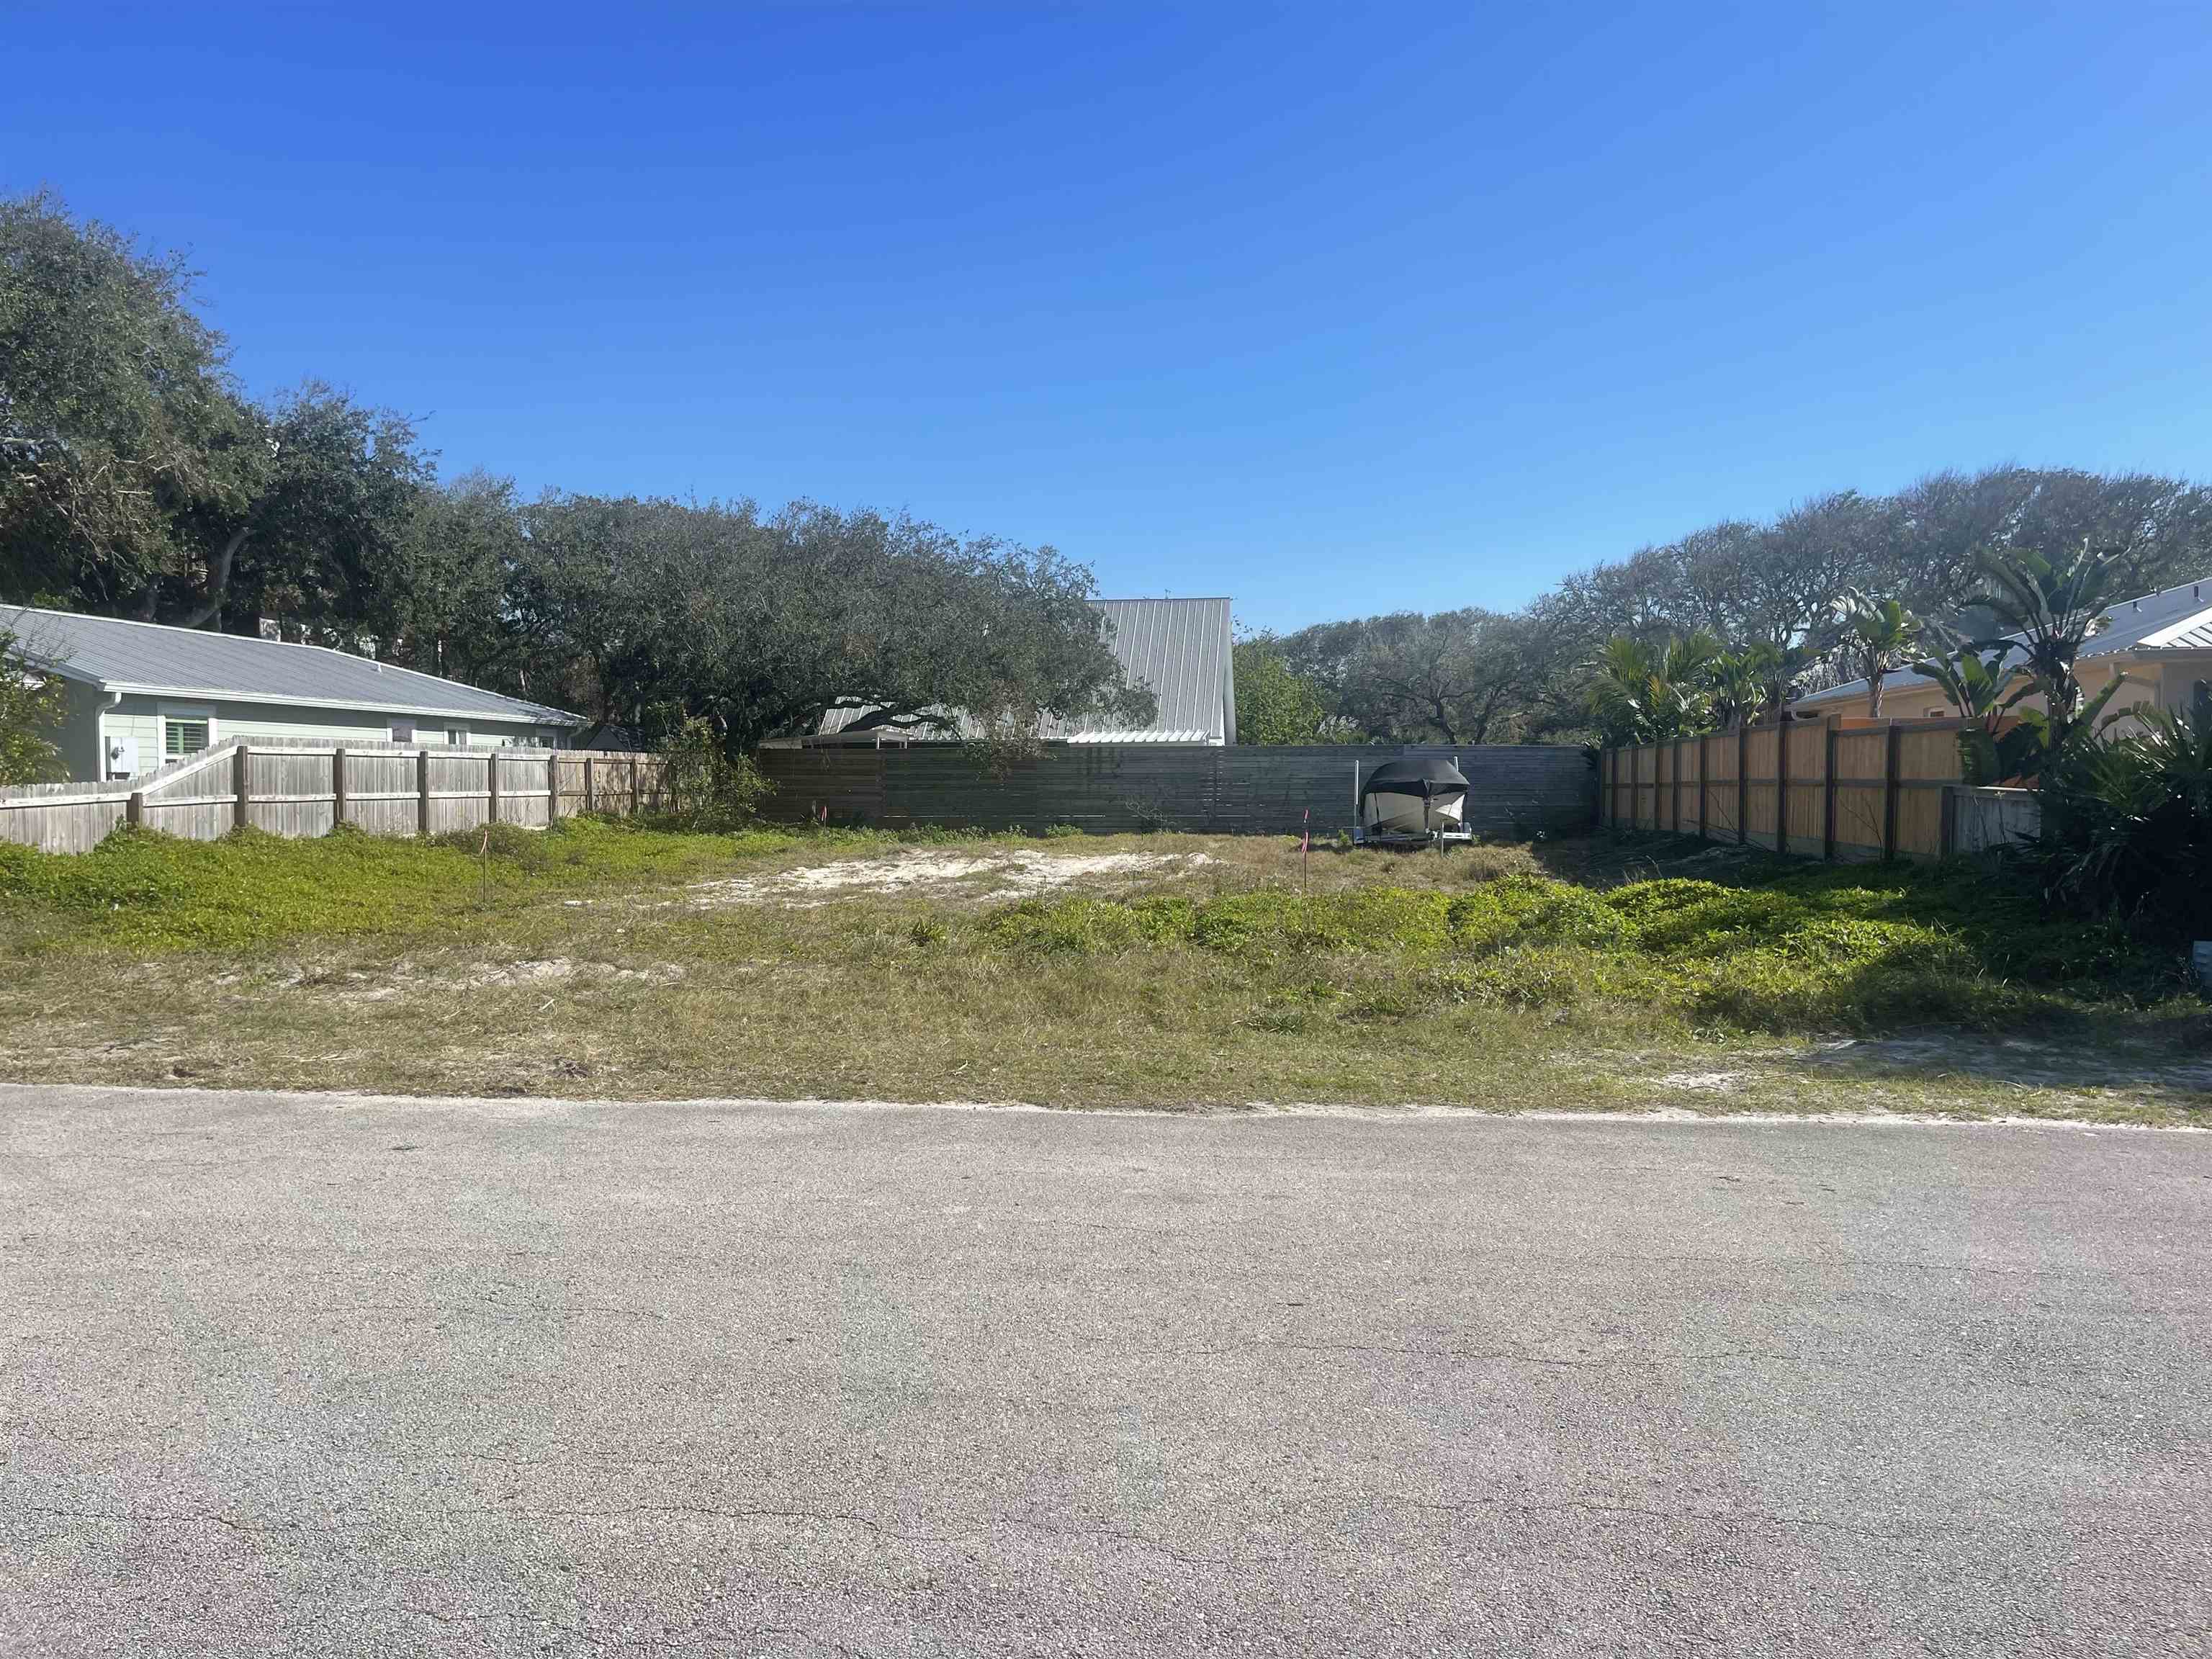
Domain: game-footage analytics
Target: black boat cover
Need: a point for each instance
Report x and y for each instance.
(1429, 775)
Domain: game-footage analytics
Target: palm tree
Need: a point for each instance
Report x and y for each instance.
(2051, 610)
(1738, 679)
(1649, 694)
(1782, 666)
(1876, 637)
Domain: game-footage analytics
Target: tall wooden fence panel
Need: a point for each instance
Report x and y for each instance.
(1518, 789)
(1818, 789)
(302, 788)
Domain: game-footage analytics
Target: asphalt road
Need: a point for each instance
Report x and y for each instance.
(329, 1376)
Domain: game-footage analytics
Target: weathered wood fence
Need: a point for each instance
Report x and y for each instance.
(1816, 788)
(1518, 789)
(302, 788)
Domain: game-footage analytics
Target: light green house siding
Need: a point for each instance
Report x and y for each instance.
(141, 693)
(95, 719)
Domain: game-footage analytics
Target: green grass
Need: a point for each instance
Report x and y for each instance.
(575, 962)
(1809, 949)
(145, 893)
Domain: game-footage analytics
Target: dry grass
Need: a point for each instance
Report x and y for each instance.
(578, 965)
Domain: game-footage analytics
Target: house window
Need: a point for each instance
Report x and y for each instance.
(186, 734)
(457, 736)
(403, 730)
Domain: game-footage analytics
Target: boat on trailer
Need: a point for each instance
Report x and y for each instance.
(1415, 800)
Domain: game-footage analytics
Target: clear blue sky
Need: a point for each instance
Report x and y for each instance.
(1334, 309)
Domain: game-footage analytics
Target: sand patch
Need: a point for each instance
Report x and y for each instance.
(357, 987)
(1013, 873)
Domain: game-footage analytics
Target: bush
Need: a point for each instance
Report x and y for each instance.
(709, 790)
(2127, 824)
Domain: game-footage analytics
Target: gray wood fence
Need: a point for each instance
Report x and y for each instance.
(1518, 789)
(303, 787)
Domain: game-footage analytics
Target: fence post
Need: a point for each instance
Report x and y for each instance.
(1743, 784)
(491, 786)
(134, 809)
(241, 758)
(1781, 787)
(636, 797)
(1828, 788)
(590, 794)
(337, 787)
(1889, 769)
(422, 791)
(552, 787)
(1704, 752)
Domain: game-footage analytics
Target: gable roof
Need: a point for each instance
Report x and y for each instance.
(117, 655)
(1179, 647)
(2173, 619)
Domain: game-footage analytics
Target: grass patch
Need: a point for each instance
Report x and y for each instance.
(572, 961)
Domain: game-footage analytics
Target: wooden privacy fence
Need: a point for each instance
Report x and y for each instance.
(1820, 789)
(303, 787)
(1517, 789)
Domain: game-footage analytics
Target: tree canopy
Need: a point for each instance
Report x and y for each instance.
(138, 479)
(1275, 704)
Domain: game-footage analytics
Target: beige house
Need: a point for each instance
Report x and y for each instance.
(2162, 642)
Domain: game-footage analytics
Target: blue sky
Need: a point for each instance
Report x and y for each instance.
(1335, 309)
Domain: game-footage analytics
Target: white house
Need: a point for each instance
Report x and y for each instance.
(140, 694)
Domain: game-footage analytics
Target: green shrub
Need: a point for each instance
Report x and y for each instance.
(2127, 824)
(1059, 831)
(709, 788)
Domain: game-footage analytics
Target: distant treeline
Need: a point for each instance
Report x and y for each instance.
(1475, 676)
(137, 478)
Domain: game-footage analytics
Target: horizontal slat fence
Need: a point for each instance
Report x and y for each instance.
(1814, 788)
(303, 787)
(1518, 789)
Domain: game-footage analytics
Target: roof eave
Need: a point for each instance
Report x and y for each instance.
(526, 714)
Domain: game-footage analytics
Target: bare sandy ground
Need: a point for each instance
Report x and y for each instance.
(1014, 872)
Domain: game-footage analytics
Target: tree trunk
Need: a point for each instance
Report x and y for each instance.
(219, 583)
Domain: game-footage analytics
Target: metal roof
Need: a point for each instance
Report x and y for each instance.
(117, 655)
(2173, 619)
(1178, 647)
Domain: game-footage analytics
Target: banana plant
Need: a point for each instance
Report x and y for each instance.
(1985, 686)
(1738, 679)
(1876, 637)
(2051, 610)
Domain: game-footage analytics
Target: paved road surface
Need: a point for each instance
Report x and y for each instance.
(340, 1376)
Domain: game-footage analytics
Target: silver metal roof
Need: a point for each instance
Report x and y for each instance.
(1178, 647)
(2173, 619)
(117, 655)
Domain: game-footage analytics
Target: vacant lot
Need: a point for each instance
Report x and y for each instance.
(608, 961)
